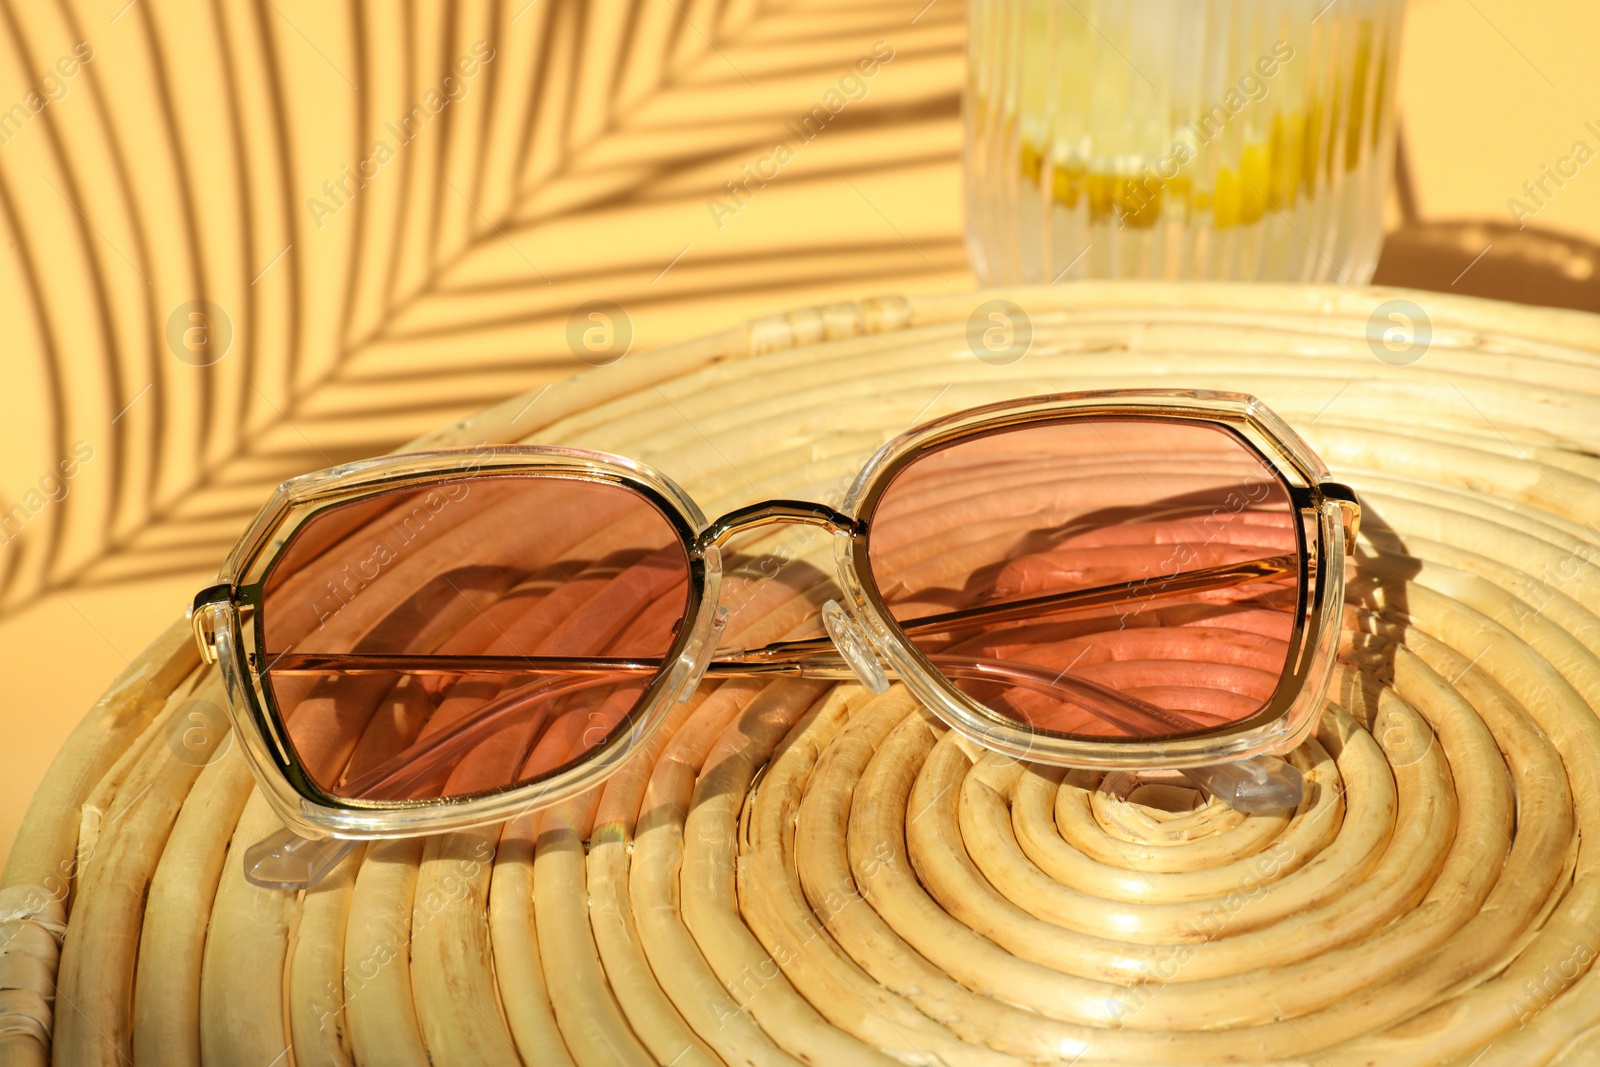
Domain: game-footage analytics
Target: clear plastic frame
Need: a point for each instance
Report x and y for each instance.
(226, 624)
(865, 641)
(1328, 517)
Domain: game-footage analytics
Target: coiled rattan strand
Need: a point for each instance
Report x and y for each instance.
(803, 873)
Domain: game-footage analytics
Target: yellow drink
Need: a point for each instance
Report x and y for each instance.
(1179, 138)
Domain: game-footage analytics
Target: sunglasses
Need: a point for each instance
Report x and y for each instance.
(1130, 580)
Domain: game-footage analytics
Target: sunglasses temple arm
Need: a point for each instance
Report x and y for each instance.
(285, 860)
(779, 656)
(1254, 785)
(1202, 579)
(791, 657)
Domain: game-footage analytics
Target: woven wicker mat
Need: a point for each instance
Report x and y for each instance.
(804, 874)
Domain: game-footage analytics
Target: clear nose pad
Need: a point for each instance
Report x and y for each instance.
(853, 646)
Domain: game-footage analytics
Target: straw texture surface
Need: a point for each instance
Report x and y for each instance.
(799, 872)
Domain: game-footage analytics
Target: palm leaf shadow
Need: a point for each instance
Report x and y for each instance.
(428, 291)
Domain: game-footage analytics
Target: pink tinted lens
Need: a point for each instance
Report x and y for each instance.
(471, 635)
(1107, 578)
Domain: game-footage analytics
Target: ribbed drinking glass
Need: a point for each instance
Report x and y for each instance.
(1208, 139)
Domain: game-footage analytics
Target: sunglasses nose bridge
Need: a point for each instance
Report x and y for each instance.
(846, 634)
(771, 512)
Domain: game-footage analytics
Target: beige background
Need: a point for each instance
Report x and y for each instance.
(576, 167)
